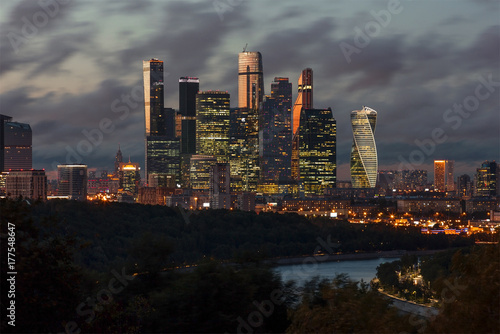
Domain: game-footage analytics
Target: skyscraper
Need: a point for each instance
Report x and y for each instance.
(443, 175)
(275, 132)
(188, 88)
(130, 178)
(16, 145)
(364, 161)
(27, 183)
(72, 181)
(486, 181)
(153, 97)
(304, 101)
(317, 151)
(118, 160)
(250, 80)
(212, 124)
(162, 164)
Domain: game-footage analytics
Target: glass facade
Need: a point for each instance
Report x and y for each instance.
(275, 133)
(212, 124)
(304, 101)
(162, 161)
(72, 181)
(250, 80)
(130, 178)
(486, 182)
(153, 97)
(443, 175)
(188, 88)
(317, 151)
(364, 161)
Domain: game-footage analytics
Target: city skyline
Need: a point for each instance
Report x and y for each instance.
(74, 72)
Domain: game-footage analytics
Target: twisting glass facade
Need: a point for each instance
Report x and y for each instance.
(364, 161)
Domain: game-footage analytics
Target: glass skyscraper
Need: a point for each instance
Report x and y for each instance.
(275, 133)
(16, 145)
(188, 88)
(317, 151)
(250, 80)
(212, 124)
(364, 160)
(304, 101)
(72, 181)
(153, 97)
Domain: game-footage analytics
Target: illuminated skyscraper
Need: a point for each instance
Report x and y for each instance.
(250, 80)
(275, 132)
(153, 97)
(212, 124)
(188, 88)
(317, 151)
(162, 165)
(118, 160)
(364, 161)
(443, 175)
(486, 181)
(16, 145)
(304, 101)
(130, 178)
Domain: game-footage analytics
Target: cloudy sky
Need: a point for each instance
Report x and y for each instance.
(73, 69)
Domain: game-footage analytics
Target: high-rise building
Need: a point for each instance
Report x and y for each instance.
(72, 181)
(304, 101)
(188, 88)
(153, 97)
(443, 175)
(118, 160)
(201, 166)
(162, 148)
(244, 149)
(130, 177)
(364, 161)
(15, 145)
(464, 185)
(317, 151)
(486, 181)
(250, 80)
(212, 124)
(275, 133)
(220, 188)
(163, 161)
(27, 183)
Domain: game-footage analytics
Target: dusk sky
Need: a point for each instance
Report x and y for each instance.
(68, 70)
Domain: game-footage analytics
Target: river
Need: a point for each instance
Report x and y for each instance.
(356, 269)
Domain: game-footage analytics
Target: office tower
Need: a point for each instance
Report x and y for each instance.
(464, 185)
(188, 88)
(250, 80)
(244, 149)
(163, 161)
(304, 101)
(118, 160)
(200, 172)
(317, 151)
(212, 124)
(153, 97)
(364, 161)
(27, 183)
(275, 133)
(415, 179)
(130, 177)
(16, 145)
(443, 175)
(220, 189)
(162, 165)
(72, 181)
(486, 181)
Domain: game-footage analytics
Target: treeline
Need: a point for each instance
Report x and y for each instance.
(110, 230)
(57, 293)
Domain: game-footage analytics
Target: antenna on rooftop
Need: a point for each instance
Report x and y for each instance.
(245, 48)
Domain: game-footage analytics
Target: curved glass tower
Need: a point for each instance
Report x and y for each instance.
(364, 161)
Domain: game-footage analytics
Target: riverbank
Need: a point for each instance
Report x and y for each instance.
(349, 257)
